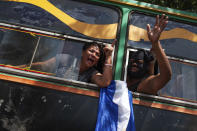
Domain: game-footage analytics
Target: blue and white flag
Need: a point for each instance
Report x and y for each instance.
(115, 111)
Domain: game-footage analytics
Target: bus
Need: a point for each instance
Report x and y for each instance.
(37, 30)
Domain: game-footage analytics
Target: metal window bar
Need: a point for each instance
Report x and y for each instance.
(31, 30)
(34, 53)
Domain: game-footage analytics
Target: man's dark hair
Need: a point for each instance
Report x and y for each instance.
(148, 56)
(101, 60)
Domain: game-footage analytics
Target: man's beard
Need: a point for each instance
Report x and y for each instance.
(138, 74)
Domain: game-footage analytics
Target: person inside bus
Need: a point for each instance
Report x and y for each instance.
(139, 78)
(95, 65)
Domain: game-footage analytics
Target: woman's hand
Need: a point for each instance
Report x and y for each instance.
(104, 79)
(22, 66)
(108, 49)
(160, 24)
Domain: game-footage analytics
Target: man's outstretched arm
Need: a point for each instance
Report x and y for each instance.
(155, 82)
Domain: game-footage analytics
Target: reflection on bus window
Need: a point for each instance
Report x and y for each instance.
(81, 14)
(173, 41)
(59, 57)
(183, 83)
(16, 48)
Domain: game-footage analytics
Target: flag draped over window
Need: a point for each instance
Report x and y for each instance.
(115, 111)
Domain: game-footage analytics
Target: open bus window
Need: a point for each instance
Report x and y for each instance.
(178, 41)
(51, 56)
(73, 60)
(138, 67)
(16, 48)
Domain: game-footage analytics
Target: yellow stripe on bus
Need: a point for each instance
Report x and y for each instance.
(137, 34)
(104, 31)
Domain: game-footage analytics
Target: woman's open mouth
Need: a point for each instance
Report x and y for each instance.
(91, 61)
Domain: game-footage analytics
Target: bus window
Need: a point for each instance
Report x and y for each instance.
(68, 58)
(184, 81)
(16, 48)
(137, 37)
(177, 40)
(179, 43)
(61, 28)
(70, 17)
(57, 57)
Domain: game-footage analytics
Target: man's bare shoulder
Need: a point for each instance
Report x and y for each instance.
(148, 85)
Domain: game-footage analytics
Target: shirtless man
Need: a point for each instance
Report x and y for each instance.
(138, 77)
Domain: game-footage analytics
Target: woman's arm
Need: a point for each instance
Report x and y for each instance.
(45, 65)
(103, 80)
(41, 66)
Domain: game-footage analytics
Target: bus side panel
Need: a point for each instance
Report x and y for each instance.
(152, 119)
(28, 108)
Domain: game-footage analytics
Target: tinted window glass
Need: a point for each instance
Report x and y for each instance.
(59, 58)
(178, 39)
(68, 17)
(80, 20)
(183, 83)
(16, 48)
